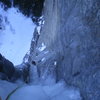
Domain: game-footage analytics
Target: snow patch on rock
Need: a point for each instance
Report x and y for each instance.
(43, 47)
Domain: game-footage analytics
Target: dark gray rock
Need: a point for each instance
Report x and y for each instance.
(17, 75)
(3, 76)
(21, 73)
(6, 67)
(11, 73)
(72, 33)
(27, 7)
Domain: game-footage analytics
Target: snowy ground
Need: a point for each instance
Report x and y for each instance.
(57, 91)
(6, 88)
(15, 34)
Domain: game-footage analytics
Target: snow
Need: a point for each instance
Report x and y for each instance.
(40, 24)
(38, 29)
(6, 88)
(55, 63)
(26, 60)
(57, 91)
(26, 57)
(47, 81)
(43, 59)
(41, 21)
(43, 47)
(29, 93)
(46, 52)
(16, 35)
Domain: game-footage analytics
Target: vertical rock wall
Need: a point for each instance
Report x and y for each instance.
(71, 34)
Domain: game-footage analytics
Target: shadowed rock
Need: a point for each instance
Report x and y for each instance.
(6, 67)
(28, 7)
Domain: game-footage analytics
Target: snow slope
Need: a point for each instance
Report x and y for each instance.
(15, 35)
(6, 88)
(57, 91)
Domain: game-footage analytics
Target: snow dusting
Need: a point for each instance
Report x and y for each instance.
(43, 47)
(38, 29)
(43, 59)
(55, 63)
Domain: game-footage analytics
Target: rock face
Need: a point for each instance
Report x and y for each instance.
(71, 37)
(6, 68)
(28, 7)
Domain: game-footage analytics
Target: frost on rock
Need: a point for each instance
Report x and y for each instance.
(43, 59)
(41, 21)
(36, 34)
(43, 47)
(38, 29)
(26, 57)
(55, 63)
(40, 24)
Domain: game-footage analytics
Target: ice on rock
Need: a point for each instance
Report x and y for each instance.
(55, 63)
(46, 52)
(26, 57)
(43, 47)
(40, 24)
(34, 78)
(38, 29)
(41, 21)
(43, 59)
